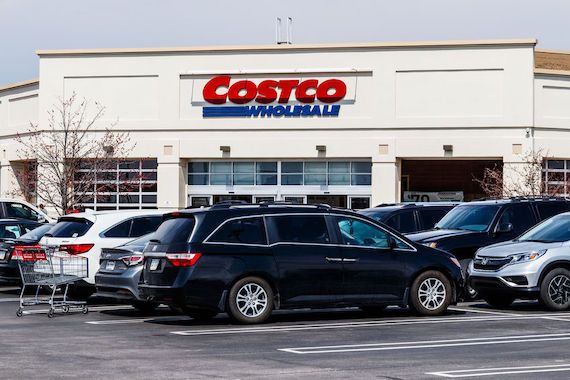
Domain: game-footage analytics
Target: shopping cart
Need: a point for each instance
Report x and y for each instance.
(46, 268)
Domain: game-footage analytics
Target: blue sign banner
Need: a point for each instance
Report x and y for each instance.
(272, 111)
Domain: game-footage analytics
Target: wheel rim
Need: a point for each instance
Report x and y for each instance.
(251, 300)
(431, 293)
(559, 289)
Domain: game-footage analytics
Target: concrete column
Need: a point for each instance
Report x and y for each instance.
(171, 192)
(385, 182)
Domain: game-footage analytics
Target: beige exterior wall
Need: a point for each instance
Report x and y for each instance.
(411, 99)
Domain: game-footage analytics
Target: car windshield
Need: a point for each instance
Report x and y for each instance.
(555, 229)
(37, 233)
(470, 218)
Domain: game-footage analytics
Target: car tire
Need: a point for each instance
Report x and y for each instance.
(145, 307)
(470, 293)
(80, 293)
(498, 301)
(250, 300)
(555, 290)
(430, 293)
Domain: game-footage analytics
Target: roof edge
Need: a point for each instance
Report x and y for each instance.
(25, 83)
(552, 72)
(361, 45)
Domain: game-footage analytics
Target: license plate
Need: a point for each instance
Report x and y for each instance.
(154, 263)
(110, 265)
(2, 255)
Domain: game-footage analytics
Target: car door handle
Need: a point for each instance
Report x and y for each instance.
(333, 259)
(350, 260)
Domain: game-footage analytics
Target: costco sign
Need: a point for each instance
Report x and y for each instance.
(272, 98)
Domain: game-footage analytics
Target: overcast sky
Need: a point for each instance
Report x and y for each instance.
(28, 25)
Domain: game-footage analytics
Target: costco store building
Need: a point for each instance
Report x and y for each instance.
(351, 125)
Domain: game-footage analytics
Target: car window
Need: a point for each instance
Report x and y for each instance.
(300, 228)
(402, 222)
(121, 230)
(555, 229)
(72, 227)
(37, 233)
(469, 218)
(548, 209)
(244, 231)
(9, 231)
(360, 233)
(19, 210)
(520, 216)
(144, 225)
(28, 227)
(174, 230)
(430, 216)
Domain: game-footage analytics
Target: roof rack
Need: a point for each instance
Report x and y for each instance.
(228, 204)
(523, 198)
(237, 203)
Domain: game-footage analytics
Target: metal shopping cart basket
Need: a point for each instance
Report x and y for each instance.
(48, 268)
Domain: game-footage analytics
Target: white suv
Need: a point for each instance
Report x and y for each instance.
(87, 233)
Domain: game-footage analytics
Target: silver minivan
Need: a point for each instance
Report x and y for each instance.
(536, 265)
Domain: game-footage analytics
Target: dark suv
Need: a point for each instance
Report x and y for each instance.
(247, 260)
(409, 217)
(473, 225)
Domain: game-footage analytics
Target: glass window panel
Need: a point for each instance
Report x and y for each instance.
(315, 167)
(339, 167)
(243, 167)
(362, 167)
(198, 179)
(149, 187)
(149, 199)
(555, 164)
(267, 167)
(220, 179)
(131, 164)
(243, 179)
(315, 179)
(556, 176)
(149, 164)
(129, 176)
(106, 188)
(129, 187)
(301, 229)
(198, 167)
(129, 198)
(121, 230)
(291, 179)
(244, 231)
(149, 176)
(107, 176)
(291, 167)
(101, 198)
(221, 167)
(88, 198)
(339, 179)
(361, 179)
(266, 179)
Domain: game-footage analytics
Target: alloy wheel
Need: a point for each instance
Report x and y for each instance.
(559, 289)
(251, 300)
(431, 293)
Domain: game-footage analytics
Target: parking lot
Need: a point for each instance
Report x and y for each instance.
(471, 340)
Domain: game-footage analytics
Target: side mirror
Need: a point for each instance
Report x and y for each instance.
(504, 228)
(392, 243)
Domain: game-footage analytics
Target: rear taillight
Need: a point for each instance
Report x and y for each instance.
(132, 260)
(28, 253)
(183, 259)
(75, 249)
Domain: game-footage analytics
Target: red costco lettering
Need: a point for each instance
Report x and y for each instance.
(218, 91)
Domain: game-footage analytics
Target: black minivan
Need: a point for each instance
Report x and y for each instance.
(248, 260)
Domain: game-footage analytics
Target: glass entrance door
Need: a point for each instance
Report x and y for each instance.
(331, 200)
(225, 198)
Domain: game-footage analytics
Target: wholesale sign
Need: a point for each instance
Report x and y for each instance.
(224, 97)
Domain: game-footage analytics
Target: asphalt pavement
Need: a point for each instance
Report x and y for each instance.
(115, 341)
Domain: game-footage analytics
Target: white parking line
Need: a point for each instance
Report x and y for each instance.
(427, 344)
(9, 288)
(477, 311)
(354, 324)
(14, 299)
(501, 371)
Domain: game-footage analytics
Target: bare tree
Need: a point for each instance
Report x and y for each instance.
(68, 153)
(524, 179)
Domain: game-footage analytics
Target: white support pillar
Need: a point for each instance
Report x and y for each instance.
(171, 171)
(385, 182)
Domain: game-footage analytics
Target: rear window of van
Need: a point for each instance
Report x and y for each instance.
(69, 228)
(175, 230)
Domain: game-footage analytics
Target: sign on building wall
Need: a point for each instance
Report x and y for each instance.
(281, 96)
(440, 196)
